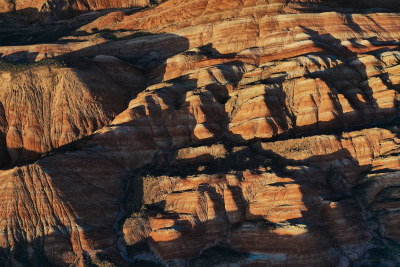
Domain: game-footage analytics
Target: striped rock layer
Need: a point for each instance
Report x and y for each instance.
(200, 133)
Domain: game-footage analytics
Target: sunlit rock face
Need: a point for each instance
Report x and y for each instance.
(283, 202)
(201, 133)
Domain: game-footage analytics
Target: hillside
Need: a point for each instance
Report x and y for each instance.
(200, 132)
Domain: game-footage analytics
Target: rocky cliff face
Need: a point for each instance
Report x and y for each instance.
(53, 9)
(202, 133)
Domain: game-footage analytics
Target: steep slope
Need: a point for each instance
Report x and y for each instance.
(45, 106)
(257, 132)
(63, 8)
(294, 197)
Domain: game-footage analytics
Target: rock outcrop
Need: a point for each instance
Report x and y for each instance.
(60, 9)
(47, 106)
(203, 133)
(295, 197)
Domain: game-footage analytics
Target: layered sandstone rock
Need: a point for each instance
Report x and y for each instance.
(299, 190)
(62, 8)
(197, 114)
(46, 107)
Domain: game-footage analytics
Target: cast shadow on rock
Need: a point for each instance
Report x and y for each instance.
(316, 194)
(274, 161)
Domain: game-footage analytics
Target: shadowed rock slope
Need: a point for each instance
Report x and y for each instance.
(49, 10)
(204, 133)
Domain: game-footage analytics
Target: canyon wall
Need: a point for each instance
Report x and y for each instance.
(200, 133)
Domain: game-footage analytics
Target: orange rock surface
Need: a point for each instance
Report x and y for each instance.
(62, 8)
(201, 133)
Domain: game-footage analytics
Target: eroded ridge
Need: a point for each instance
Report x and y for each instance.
(202, 133)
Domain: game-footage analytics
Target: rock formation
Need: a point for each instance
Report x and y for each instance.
(202, 133)
(34, 9)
